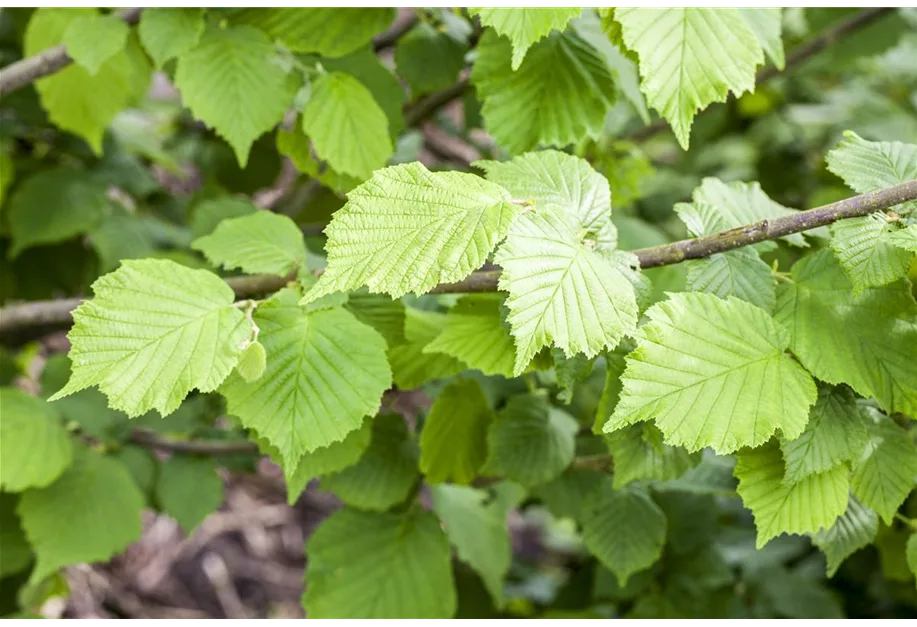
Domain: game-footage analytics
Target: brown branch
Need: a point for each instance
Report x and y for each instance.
(25, 71)
(402, 26)
(419, 111)
(152, 440)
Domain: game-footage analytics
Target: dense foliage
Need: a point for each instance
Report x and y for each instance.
(291, 224)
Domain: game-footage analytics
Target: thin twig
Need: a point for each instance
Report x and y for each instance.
(402, 26)
(152, 440)
(419, 111)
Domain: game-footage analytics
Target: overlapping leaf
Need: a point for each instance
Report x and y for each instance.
(429, 59)
(851, 532)
(523, 26)
(411, 365)
(34, 446)
(639, 453)
(167, 33)
(93, 40)
(261, 242)
(474, 333)
(885, 474)
(326, 460)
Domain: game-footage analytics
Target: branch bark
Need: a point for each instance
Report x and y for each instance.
(152, 440)
(25, 71)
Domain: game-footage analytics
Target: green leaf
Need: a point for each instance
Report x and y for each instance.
(348, 129)
(474, 333)
(866, 340)
(262, 242)
(550, 178)
(142, 465)
(326, 460)
(252, 362)
(34, 446)
(740, 273)
(411, 365)
(89, 514)
(448, 222)
(565, 495)
(851, 532)
(911, 552)
(325, 372)
(870, 166)
(189, 489)
(76, 100)
(574, 297)
(905, 238)
(884, 475)
(865, 249)
(836, 434)
(386, 472)
(690, 58)
(15, 553)
(639, 453)
(559, 95)
(524, 27)
(385, 315)
(232, 82)
(168, 33)
(475, 521)
(330, 32)
(768, 26)
(624, 529)
(713, 372)
(207, 216)
(713, 475)
(54, 206)
(429, 59)
(154, 331)
(570, 371)
(530, 442)
(93, 40)
(379, 565)
(806, 506)
(453, 443)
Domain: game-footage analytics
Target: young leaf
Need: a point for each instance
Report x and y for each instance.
(34, 446)
(154, 331)
(325, 372)
(884, 476)
(809, 505)
(574, 297)
(530, 442)
(690, 58)
(867, 341)
(252, 362)
(447, 223)
(386, 472)
(90, 513)
(851, 532)
(713, 372)
(93, 40)
(836, 434)
(170, 32)
(412, 366)
(524, 27)
(326, 460)
(865, 249)
(379, 565)
(624, 529)
(905, 238)
(475, 334)
(639, 454)
(870, 166)
(559, 95)
(475, 522)
(429, 59)
(189, 489)
(231, 82)
(262, 242)
(348, 129)
(453, 443)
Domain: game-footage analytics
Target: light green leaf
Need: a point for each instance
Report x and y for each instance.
(559, 95)
(54, 206)
(639, 454)
(411, 365)
(89, 514)
(93, 40)
(851, 532)
(905, 238)
(386, 472)
(690, 58)
(326, 460)
(232, 82)
(768, 26)
(262, 242)
(447, 223)
(189, 489)
(154, 331)
(379, 565)
(34, 446)
(713, 372)
(302, 403)
(15, 553)
(870, 166)
(348, 129)
(573, 297)
(453, 443)
(624, 529)
(807, 506)
(525, 26)
(885, 474)
(530, 442)
(836, 434)
(384, 314)
(740, 273)
(206, 216)
(170, 32)
(76, 100)
(474, 333)
(475, 521)
(429, 59)
(866, 251)
(252, 362)
(330, 32)
(867, 340)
